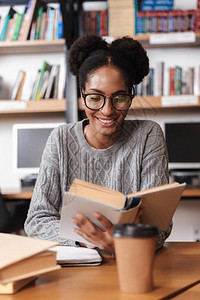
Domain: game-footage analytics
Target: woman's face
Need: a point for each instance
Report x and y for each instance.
(107, 121)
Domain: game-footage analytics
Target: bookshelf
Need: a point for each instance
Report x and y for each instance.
(144, 40)
(36, 46)
(26, 55)
(41, 106)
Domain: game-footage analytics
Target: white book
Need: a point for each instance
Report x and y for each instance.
(17, 84)
(76, 256)
(28, 85)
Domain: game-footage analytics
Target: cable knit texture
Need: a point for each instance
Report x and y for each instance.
(136, 161)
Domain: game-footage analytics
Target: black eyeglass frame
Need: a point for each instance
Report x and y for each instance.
(111, 99)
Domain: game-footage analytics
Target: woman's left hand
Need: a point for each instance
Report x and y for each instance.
(90, 232)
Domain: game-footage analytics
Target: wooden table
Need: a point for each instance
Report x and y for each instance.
(177, 268)
(191, 294)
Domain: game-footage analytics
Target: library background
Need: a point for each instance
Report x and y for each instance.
(38, 93)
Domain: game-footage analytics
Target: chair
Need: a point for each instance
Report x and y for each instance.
(13, 220)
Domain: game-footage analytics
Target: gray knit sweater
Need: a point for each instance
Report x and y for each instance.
(136, 161)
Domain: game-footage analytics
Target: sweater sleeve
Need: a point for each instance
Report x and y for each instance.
(155, 169)
(43, 216)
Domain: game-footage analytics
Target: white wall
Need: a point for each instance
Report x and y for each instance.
(9, 67)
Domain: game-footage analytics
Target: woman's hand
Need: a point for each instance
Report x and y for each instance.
(90, 232)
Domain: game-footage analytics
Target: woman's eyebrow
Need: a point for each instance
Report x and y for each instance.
(100, 92)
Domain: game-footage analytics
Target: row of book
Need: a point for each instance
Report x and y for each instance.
(163, 80)
(94, 22)
(45, 83)
(37, 20)
(167, 21)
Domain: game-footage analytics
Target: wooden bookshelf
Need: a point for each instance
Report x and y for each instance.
(41, 106)
(36, 46)
(144, 39)
(151, 102)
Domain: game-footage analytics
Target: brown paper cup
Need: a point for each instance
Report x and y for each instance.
(135, 252)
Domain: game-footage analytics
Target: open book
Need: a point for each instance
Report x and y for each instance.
(159, 205)
(22, 257)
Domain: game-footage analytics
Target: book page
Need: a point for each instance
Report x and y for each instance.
(154, 189)
(98, 193)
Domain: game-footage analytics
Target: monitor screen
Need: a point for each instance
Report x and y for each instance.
(29, 141)
(183, 142)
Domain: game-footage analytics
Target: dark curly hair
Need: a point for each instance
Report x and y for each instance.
(91, 52)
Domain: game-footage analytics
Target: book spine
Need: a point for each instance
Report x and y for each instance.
(17, 27)
(60, 24)
(38, 23)
(172, 88)
(49, 35)
(4, 29)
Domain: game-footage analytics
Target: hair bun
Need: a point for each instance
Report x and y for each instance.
(132, 51)
(82, 48)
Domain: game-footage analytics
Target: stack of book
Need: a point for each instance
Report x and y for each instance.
(35, 21)
(45, 83)
(22, 259)
(122, 17)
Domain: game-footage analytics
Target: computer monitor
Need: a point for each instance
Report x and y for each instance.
(29, 141)
(183, 144)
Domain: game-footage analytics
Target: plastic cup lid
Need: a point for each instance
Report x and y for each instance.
(135, 230)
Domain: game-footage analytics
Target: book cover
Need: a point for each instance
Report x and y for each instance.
(22, 257)
(159, 205)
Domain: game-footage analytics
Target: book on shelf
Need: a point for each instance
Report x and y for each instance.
(167, 21)
(31, 16)
(28, 85)
(51, 82)
(122, 17)
(6, 21)
(18, 86)
(76, 256)
(45, 67)
(159, 205)
(22, 257)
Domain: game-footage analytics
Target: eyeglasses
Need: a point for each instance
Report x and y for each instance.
(97, 101)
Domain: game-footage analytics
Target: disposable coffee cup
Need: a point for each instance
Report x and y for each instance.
(135, 246)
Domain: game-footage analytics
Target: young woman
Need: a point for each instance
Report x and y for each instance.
(106, 149)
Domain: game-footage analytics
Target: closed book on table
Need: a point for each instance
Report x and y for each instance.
(22, 257)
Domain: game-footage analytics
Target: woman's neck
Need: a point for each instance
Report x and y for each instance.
(98, 140)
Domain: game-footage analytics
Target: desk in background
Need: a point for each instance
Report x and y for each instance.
(27, 193)
(177, 268)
